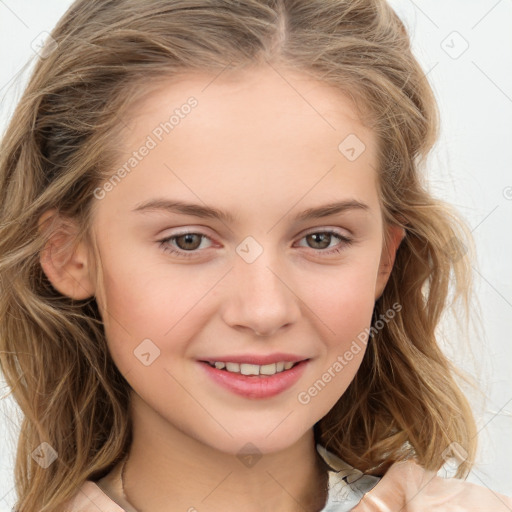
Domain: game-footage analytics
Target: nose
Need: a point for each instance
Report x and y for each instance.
(260, 298)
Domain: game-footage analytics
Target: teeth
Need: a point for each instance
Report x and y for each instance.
(253, 369)
(268, 369)
(233, 367)
(249, 369)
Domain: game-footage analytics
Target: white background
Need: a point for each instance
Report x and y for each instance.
(470, 167)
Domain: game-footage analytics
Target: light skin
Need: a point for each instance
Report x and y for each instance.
(265, 150)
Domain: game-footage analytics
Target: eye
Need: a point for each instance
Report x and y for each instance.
(323, 239)
(187, 245)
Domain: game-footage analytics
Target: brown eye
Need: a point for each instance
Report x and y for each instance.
(184, 245)
(189, 241)
(321, 240)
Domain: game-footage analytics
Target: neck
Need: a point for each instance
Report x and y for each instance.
(162, 469)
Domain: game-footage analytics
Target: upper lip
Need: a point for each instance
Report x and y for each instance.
(255, 359)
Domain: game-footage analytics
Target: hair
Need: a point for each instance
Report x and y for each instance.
(404, 401)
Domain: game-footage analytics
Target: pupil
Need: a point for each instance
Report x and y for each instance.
(321, 235)
(188, 239)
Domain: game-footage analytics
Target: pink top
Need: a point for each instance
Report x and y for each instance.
(406, 487)
(90, 497)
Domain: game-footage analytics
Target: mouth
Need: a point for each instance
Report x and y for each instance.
(255, 381)
(248, 369)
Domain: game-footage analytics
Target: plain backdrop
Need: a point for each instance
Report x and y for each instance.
(465, 48)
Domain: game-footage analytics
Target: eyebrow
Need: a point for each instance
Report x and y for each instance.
(202, 211)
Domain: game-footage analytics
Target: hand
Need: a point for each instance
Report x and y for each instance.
(407, 487)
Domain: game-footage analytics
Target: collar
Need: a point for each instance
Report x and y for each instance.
(347, 485)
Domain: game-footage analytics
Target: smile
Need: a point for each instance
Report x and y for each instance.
(251, 381)
(253, 369)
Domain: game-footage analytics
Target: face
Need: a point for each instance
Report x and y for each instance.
(264, 282)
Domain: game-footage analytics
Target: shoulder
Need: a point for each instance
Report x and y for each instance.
(408, 487)
(90, 498)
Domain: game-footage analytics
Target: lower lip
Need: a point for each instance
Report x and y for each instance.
(255, 386)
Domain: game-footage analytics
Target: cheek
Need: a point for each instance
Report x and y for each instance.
(348, 315)
(344, 305)
(152, 302)
(343, 296)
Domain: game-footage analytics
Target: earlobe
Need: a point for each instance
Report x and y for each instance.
(64, 262)
(395, 236)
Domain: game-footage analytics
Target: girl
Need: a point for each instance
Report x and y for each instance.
(221, 273)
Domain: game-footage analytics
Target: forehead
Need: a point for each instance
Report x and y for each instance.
(254, 93)
(262, 135)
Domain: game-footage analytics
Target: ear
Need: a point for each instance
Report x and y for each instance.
(65, 262)
(395, 235)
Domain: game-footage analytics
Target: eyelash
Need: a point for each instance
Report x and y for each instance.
(190, 254)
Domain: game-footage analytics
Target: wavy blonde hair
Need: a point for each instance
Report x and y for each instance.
(61, 143)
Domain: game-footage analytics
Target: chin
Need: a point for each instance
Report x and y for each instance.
(257, 442)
